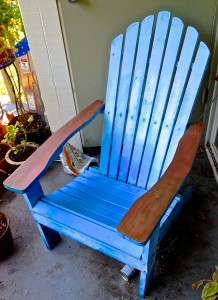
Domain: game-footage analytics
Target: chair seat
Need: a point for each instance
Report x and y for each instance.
(96, 198)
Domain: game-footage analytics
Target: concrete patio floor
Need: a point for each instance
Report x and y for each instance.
(72, 271)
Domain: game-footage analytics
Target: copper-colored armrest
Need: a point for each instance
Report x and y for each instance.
(146, 212)
(39, 161)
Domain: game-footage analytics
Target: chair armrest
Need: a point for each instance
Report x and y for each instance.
(42, 158)
(146, 212)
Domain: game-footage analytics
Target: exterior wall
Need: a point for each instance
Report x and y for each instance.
(41, 21)
(89, 27)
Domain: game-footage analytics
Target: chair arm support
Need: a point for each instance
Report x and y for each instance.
(36, 165)
(146, 212)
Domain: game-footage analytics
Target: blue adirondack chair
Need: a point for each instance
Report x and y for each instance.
(124, 207)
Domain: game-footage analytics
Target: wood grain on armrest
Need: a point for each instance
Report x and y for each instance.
(146, 212)
(40, 160)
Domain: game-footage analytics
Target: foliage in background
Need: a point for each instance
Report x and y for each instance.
(210, 290)
(11, 25)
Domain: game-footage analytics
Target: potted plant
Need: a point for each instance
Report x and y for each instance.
(36, 130)
(6, 239)
(16, 136)
(11, 30)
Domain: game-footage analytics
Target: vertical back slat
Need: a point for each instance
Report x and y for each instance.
(149, 93)
(123, 97)
(188, 101)
(161, 98)
(110, 105)
(149, 99)
(176, 94)
(136, 94)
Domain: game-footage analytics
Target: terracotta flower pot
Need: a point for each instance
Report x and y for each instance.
(6, 239)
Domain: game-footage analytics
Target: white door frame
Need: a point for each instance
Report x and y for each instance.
(212, 131)
(212, 126)
(44, 32)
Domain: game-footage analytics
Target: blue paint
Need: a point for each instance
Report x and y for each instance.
(123, 97)
(111, 96)
(160, 101)
(175, 96)
(140, 71)
(158, 47)
(22, 47)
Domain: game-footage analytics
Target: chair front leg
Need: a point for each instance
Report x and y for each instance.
(148, 258)
(49, 236)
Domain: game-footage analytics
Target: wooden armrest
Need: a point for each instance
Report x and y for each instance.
(146, 212)
(39, 161)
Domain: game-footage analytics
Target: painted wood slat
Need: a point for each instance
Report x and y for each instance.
(112, 183)
(110, 105)
(89, 202)
(127, 68)
(88, 233)
(164, 85)
(113, 191)
(73, 206)
(149, 93)
(84, 226)
(136, 95)
(142, 218)
(113, 203)
(44, 156)
(197, 73)
(177, 90)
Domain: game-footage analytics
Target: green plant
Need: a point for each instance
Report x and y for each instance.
(11, 32)
(210, 290)
(11, 25)
(12, 133)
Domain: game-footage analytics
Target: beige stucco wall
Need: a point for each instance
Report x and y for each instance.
(90, 25)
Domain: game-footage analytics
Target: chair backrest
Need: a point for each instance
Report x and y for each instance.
(153, 81)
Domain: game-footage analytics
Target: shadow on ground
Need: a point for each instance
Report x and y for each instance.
(73, 271)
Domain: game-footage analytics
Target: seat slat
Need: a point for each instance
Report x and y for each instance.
(165, 81)
(78, 207)
(111, 94)
(112, 191)
(86, 186)
(90, 202)
(178, 88)
(120, 186)
(158, 47)
(136, 95)
(123, 97)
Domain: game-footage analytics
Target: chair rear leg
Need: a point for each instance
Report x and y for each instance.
(49, 236)
(148, 257)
